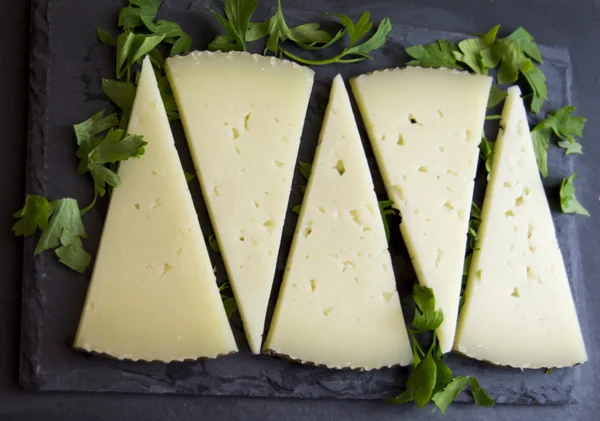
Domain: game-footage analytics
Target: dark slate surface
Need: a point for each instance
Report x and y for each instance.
(554, 22)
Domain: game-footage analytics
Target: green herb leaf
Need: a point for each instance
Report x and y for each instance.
(480, 395)
(385, 207)
(297, 208)
(189, 176)
(212, 242)
(168, 99)
(541, 142)
(137, 10)
(358, 30)
(95, 152)
(74, 256)
(496, 97)
(33, 216)
(173, 33)
(64, 227)
(228, 301)
(445, 397)
(437, 54)
(471, 53)
(236, 22)
(354, 53)
(566, 127)
(486, 153)
(568, 201)
(183, 45)
(122, 94)
(305, 168)
(106, 38)
(132, 48)
(426, 315)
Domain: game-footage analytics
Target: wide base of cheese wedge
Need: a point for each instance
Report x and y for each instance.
(518, 308)
(338, 304)
(425, 126)
(243, 116)
(153, 294)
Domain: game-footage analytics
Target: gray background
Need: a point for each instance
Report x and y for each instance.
(561, 23)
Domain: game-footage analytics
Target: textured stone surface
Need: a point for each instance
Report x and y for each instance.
(65, 89)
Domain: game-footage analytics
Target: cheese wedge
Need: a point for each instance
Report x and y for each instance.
(243, 116)
(338, 305)
(153, 294)
(518, 308)
(425, 126)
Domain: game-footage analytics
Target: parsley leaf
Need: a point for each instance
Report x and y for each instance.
(63, 233)
(33, 216)
(541, 142)
(212, 242)
(431, 378)
(137, 10)
(436, 54)
(304, 168)
(106, 38)
(168, 99)
(426, 316)
(476, 52)
(474, 222)
(95, 152)
(486, 153)
(566, 127)
(228, 300)
(568, 201)
(496, 97)
(385, 207)
(353, 53)
(189, 176)
(235, 22)
(122, 94)
(173, 34)
(131, 48)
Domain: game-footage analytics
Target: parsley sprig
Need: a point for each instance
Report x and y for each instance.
(431, 378)
(568, 201)
(236, 20)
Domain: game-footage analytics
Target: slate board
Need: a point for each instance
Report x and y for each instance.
(67, 63)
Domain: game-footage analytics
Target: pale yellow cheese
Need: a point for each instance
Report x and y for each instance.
(425, 126)
(518, 308)
(243, 116)
(338, 305)
(153, 294)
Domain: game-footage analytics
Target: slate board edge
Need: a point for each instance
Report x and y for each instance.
(30, 377)
(39, 74)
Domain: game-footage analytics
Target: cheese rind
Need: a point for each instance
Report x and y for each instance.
(425, 126)
(243, 116)
(338, 305)
(153, 294)
(518, 308)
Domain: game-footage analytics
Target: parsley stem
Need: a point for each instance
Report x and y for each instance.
(493, 117)
(336, 59)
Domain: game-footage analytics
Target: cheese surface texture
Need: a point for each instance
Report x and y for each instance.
(153, 294)
(425, 126)
(243, 116)
(338, 305)
(518, 308)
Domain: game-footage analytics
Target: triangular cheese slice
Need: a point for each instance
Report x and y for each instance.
(518, 308)
(153, 294)
(338, 305)
(243, 116)
(425, 126)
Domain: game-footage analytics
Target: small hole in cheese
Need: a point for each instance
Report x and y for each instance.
(279, 164)
(520, 200)
(340, 167)
(154, 172)
(347, 265)
(256, 204)
(307, 231)
(400, 140)
(387, 297)
(166, 268)
(441, 149)
(355, 216)
(327, 311)
(383, 138)
(242, 238)
(246, 120)
(313, 285)
(216, 191)
(529, 231)
(479, 274)
(321, 209)
(237, 150)
(507, 184)
(137, 206)
(438, 258)
(468, 135)
(440, 113)
(179, 252)
(448, 205)
(515, 292)
(530, 275)
(526, 190)
(412, 119)
(451, 173)
(235, 132)
(269, 225)
(509, 213)
(275, 119)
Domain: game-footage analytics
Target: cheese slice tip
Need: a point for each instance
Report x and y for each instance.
(425, 126)
(518, 308)
(243, 116)
(153, 294)
(338, 305)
